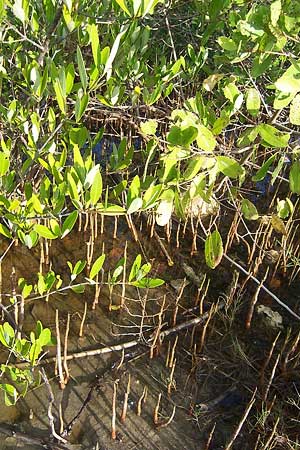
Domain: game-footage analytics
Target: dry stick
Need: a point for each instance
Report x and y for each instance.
(266, 363)
(165, 424)
(177, 234)
(182, 287)
(265, 396)
(61, 420)
(86, 222)
(254, 301)
(173, 353)
(96, 225)
(289, 353)
(58, 353)
(163, 249)
(207, 446)
(79, 222)
(203, 334)
(120, 347)
(267, 446)
(156, 409)
(97, 292)
(102, 224)
(115, 228)
(113, 417)
(242, 421)
(157, 332)
(141, 400)
(83, 320)
(168, 354)
(42, 256)
(65, 364)
(125, 404)
(170, 384)
(21, 317)
(51, 401)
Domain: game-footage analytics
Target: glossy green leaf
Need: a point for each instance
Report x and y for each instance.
(205, 139)
(213, 249)
(272, 137)
(96, 267)
(135, 268)
(69, 223)
(45, 232)
(96, 189)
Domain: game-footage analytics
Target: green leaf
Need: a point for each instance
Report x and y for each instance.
(82, 69)
(228, 166)
(275, 9)
(124, 7)
(113, 52)
(69, 223)
(182, 137)
(97, 266)
(60, 95)
(262, 172)
(165, 208)
(295, 111)
(4, 163)
(18, 10)
(96, 189)
(80, 105)
(10, 394)
(295, 177)
(193, 167)
(149, 127)
(210, 82)
(94, 37)
(135, 205)
(148, 283)
(272, 137)
(289, 82)
(284, 208)
(205, 139)
(227, 44)
(45, 232)
(213, 249)
(78, 289)
(253, 101)
(35, 351)
(135, 268)
(249, 210)
(5, 231)
(151, 196)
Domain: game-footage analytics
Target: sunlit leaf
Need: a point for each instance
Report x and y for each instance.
(97, 266)
(69, 223)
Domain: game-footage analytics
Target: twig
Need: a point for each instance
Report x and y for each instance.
(242, 421)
